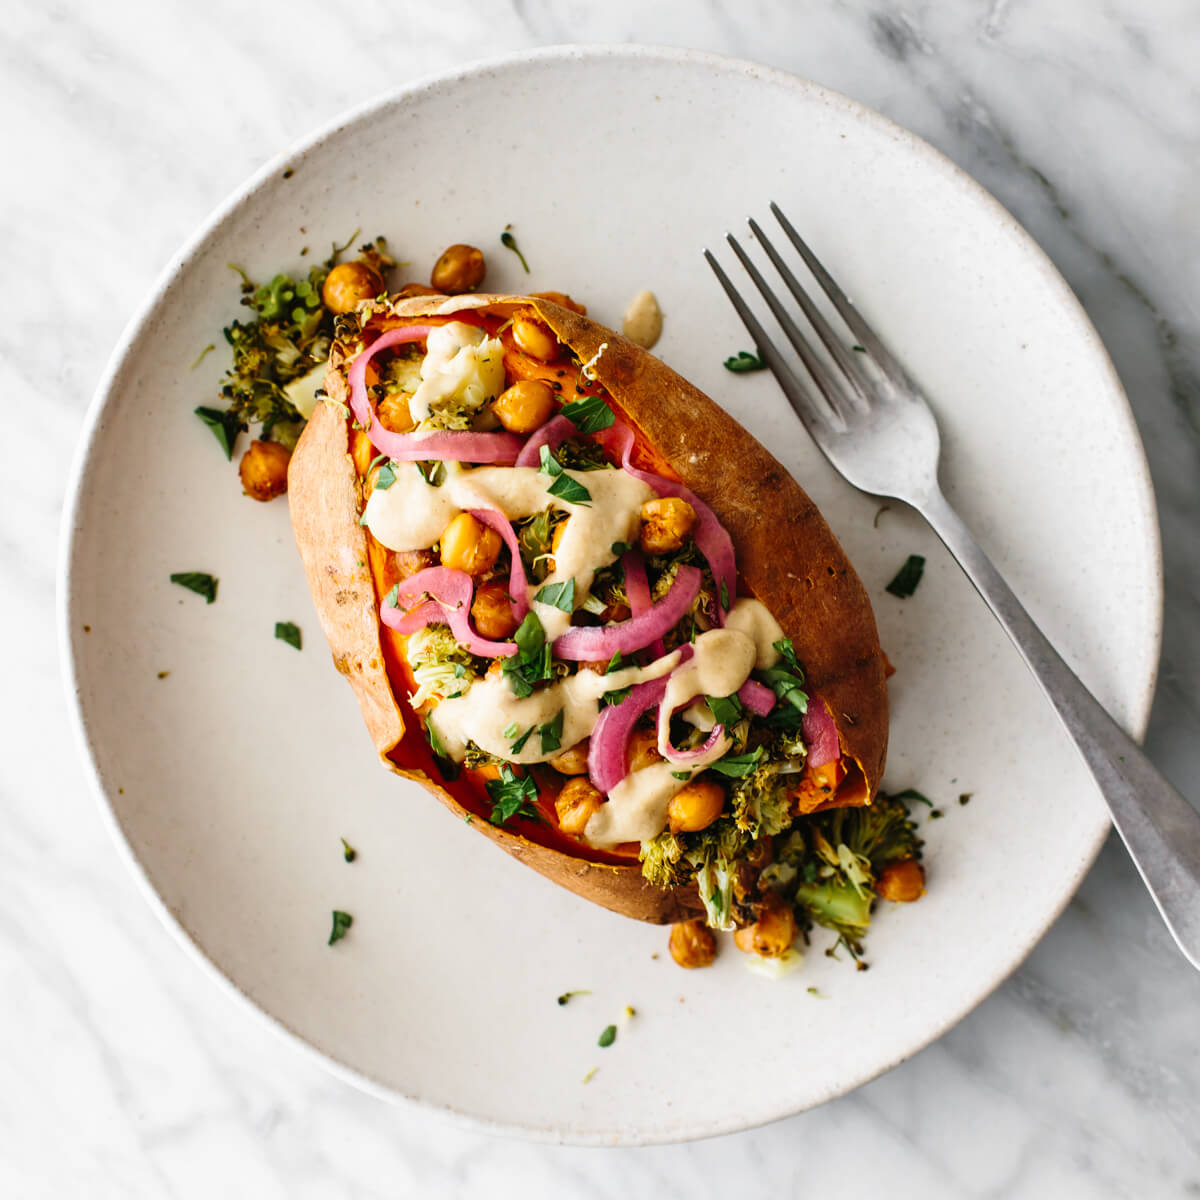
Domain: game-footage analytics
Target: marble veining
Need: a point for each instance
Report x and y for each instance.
(124, 1074)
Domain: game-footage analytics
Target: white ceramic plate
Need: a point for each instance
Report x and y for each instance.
(231, 780)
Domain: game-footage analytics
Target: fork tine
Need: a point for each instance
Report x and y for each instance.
(825, 382)
(815, 415)
(877, 350)
(825, 331)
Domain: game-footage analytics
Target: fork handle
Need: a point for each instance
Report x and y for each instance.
(1160, 829)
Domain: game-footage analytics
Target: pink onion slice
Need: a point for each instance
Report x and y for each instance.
(637, 589)
(451, 591)
(553, 433)
(609, 746)
(757, 697)
(820, 733)
(686, 756)
(709, 534)
(518, 588)
(592, 644)
(456, 446)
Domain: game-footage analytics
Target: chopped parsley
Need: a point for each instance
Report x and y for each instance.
(726, 710)
(684, 775)
(551, 733)
(531, 663)
(288, 632)
(905, 581)
(607, 1038)
(617, 696)
(511, 796)
(510, 243)
(517, 738)
(564, 486)
(341, 922)
(348, 851)
(737, 766)
(386, 477)
(199, 582)
(743, 362)
(615, 663)
(560, 595)
(225, 425)
(589, 414)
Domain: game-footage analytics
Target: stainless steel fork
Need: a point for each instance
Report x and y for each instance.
(876, 428)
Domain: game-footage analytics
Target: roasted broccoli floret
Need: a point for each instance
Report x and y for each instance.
(440, 666)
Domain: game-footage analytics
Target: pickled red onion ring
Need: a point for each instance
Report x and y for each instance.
(451, 593)
(518, 588)
(757, 697)
(638, 592)
(820, 733)
(452, 445)
(583, 643)
(553, 433)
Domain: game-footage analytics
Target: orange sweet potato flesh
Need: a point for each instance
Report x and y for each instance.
(787, 557)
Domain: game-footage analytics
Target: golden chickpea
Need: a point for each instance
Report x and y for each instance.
(695, 806)
(643, 749)
(772, 935)
(692, 944)
(575, 804)
(572, 761)
(460, 269)
(533, 336)
(524, 406)
(264, 469)
(492, 611)
(409, 562)
(666, 524)
(348, 284)
(469, 545)
(902, 881)
(393, 412)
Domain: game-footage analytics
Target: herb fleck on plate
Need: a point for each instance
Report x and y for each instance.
(199, 582)
(341, 922)
(906, 579)
(286, 631)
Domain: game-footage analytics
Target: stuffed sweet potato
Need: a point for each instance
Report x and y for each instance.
(585, 608)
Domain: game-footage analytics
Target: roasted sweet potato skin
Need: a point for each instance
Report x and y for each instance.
(787, 557)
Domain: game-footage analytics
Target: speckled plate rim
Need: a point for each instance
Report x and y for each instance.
(93, 422)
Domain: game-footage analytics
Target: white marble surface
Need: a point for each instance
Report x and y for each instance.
(125, 1073)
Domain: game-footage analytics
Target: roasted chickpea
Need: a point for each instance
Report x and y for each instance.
(575, 804)
(469, 545)
(533, 336)
(572, 761)
(692, 944)
(773, 933)
(903, 881)
(524, 406)
(264, 469)
(460, 269)
(409, 562)
(417, 289)
(492, 611)
(393, 412)
(643, 749)
(348, 284)
(666, 524)
(695, 806)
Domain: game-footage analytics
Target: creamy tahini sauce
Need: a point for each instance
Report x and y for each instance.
(754, 619)
(410, 515)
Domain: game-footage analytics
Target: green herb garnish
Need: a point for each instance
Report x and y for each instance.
(510, 796)
(288, 632)
(386, 477)
(617, 696)
(341, 922)
(551, 733)
(615, 663)
(607, 1038)
(619, 548)
(517, 738)
(199, 582)
(911, 794)
(787, 652)
(561, 595)
(726, 710)
(724, 595)
(743, 362)
(432, 471)
(510, 243)
(685, 775)
(392, 599)
(564, 486)
(737, 766)
(225, 426)
(589, 415)
(566, 997)
(531, 663)
(348, 851)
(906, 579)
